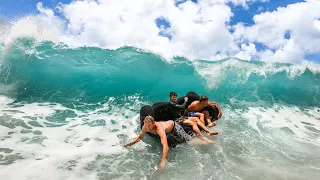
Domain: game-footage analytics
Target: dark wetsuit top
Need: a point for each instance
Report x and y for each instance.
(175, 110)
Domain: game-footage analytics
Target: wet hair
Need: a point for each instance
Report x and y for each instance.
(204, 98)
(148, 119)
(173, 94)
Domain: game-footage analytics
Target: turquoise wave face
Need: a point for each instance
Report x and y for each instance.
(89, 74)
(57, 73)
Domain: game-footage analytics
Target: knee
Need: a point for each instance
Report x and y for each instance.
(193, 119)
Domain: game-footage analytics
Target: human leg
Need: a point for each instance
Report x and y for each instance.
(200, 124)
(208, 119)
(200, 116)
(181, 136)
(193, 121)
(201, 141)
(194, 126)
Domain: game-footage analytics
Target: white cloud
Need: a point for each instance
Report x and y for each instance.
(45, 11)
(290, 52)
(316, 24)
(247, 51)
(299, 19)
(197, 30)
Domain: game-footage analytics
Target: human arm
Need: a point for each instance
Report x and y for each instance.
(165, 148)
(183, 106)
(188, 109)
(137, 139)
(212, 103)
(218, 107)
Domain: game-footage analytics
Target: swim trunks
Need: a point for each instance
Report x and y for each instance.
(191, 114)
(179, 134)
(182, 118)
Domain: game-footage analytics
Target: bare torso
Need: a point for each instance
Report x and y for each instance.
(196, 106)
(166, 125)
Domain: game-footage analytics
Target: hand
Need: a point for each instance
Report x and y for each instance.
(219, 115)
(185, 99)
(162, 164)
(214, 123)
(126, 145)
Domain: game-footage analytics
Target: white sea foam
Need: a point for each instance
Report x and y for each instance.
(88, 144)
(303, 124)
(45, 149)
(215, 73)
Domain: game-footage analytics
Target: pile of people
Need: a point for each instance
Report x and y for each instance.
(179, 121)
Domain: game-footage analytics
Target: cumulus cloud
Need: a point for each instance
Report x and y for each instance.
(198, 30)
(290, 52)
(299, 21)
(247, 51)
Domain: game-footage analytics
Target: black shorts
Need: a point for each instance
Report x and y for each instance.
(180, 134)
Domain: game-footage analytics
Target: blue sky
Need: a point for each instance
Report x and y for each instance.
(10, 9)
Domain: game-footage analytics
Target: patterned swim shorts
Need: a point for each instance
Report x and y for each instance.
(179, 134)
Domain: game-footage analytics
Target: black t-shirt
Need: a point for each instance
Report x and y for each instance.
(175, 110)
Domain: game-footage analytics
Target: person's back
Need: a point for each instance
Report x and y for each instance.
(166, 125)
(196, 106)
(199, 104)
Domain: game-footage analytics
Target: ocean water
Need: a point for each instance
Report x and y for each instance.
(66, 112)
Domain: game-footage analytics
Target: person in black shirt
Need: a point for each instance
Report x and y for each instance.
(175, 110)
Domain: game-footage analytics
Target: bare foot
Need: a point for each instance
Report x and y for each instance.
(208, 140)
(212, 133)
(211, 124)
(179, 121)
(211, 141)
(199, 141)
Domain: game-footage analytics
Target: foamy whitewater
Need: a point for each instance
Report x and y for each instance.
(66, 112)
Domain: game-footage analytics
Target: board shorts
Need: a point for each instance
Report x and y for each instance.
(182, 118)
(179, 134)
(191, 114)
